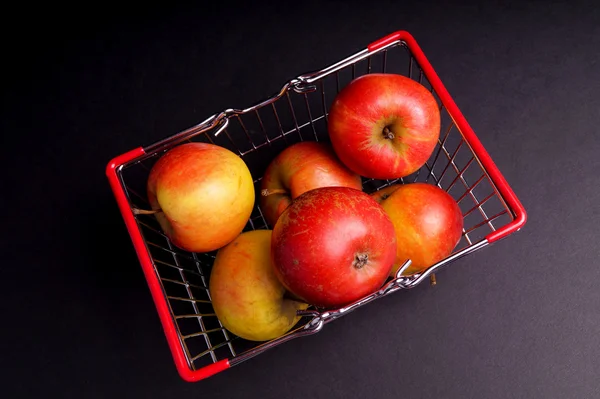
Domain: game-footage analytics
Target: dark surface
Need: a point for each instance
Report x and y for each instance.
(519, 319)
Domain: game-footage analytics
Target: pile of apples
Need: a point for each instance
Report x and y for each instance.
(328, 242)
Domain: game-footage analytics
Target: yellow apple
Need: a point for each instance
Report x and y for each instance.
(246, 295)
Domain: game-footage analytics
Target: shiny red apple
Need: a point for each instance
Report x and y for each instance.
(384, 126)
(301, 167)
(332, 246)
(427, 220)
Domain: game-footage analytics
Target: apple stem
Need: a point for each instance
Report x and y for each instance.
(270, 191)
(432, 279)
(360, 261)
(387, 133)
(137, 211)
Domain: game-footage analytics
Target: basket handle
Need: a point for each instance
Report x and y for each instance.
(385, 41)
(207, 124)
(112, 173)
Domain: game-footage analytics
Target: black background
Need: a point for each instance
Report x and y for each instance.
(519, 319)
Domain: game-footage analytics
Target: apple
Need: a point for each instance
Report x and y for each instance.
(332, 246)
(301, 167)
(384, 126)
(427, 220)
(205, 194)
(246, 295)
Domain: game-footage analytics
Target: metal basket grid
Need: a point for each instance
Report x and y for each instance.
(179, 280)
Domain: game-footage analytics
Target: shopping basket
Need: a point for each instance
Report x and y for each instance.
(178, 280)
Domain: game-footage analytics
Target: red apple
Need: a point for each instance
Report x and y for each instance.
(384, 126)
(332, 246)
(299, 168)
(427, 220)
(205, 193)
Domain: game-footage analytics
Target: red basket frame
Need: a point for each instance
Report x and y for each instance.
(116, 164)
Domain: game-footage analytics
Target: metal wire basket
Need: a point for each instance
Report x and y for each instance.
(178, 280)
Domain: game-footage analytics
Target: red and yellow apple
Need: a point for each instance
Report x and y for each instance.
(427, 221)
(246, 295)
(205, 194)
(332, 246)
(301, 167)
(384, 126)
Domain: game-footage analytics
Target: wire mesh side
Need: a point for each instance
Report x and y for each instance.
(258, 136)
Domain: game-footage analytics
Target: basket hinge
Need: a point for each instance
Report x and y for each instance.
(302, 87)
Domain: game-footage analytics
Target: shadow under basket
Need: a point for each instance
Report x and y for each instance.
(178, 280)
